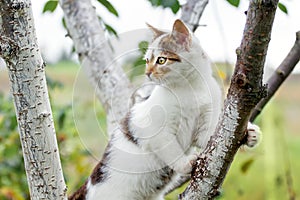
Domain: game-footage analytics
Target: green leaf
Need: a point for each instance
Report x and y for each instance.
(283, 8)
(110, 29)
(50, 6)
(62, 114)
(246, 165)
(155, 2)
(173, 4)
(61, 118)
(109, 7)
(143, 45)
(63, 21)
(53, 83)
(235, 3)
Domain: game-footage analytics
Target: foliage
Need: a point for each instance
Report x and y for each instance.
(172, 4)
(235, 3)
(138, 65)
(109, 7)
(51, 5)
(13, 182)
(281, 6)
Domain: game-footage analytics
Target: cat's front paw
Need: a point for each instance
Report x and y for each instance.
(253, 135)
(184, 165)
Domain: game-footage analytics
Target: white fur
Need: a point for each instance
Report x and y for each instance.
(180, 114)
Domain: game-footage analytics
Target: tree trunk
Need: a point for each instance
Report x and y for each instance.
(245, 91)
(19, 49)
(95, 54)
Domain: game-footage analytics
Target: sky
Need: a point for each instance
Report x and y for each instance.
(219, 37)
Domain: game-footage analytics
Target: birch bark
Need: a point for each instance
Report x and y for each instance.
(19, 49)
(111, 83)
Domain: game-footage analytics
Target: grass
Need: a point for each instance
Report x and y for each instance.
(262, 173)
(88, 114)
(277, 154)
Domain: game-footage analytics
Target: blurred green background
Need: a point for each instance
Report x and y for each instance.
(270, 171)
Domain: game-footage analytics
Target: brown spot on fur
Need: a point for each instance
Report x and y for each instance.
(168, 43)
(179, 40)
(165, 177)
(125, 129)
(99, 175)
(181, 34)
(80, 194)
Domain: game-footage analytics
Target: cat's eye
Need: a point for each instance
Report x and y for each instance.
(161, 60)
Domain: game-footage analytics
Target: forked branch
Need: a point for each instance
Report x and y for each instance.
(111, 84)
(279, 76)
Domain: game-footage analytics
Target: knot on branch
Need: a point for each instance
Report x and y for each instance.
(7, 47)
(243, 82)
(266, 3)
(298, 35)
(241, 79)
(264, 91)
(19, 4)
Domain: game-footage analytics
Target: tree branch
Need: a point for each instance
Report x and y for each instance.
(279, 76)
(111, 84)
(191, 13)
(19, 49)
(245, 91)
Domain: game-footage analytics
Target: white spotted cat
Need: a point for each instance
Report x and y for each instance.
(155, 143)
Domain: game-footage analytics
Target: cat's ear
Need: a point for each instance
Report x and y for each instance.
(181, 34)
(156, 32)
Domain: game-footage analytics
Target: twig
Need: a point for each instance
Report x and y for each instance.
(192, 12)
(279, 76)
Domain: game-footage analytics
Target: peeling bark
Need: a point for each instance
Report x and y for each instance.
(19, 49)
(245, 91)
(111, 84)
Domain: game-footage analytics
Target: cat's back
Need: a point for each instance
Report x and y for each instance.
(132, 173)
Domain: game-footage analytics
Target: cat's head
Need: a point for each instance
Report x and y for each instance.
(171, 56)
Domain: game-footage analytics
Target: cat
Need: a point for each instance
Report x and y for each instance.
(158, 139)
